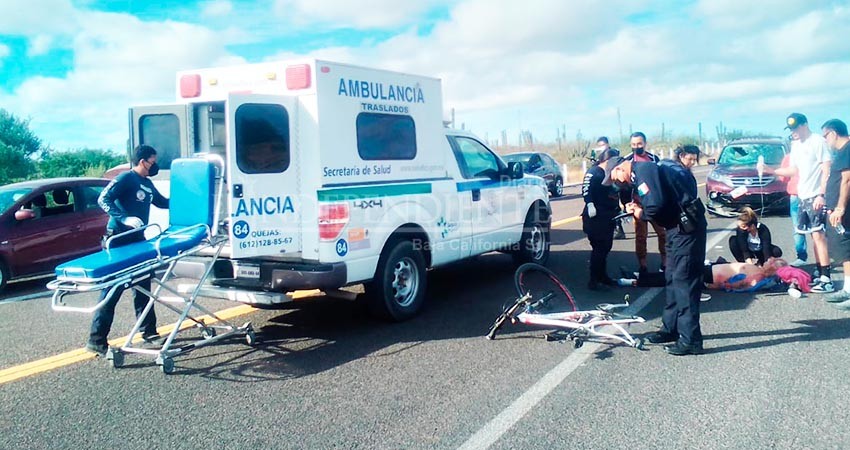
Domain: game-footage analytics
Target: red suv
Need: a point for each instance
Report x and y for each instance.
(44, 223)
(734, 182)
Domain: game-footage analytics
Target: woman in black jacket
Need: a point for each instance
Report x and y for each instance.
(751, 242)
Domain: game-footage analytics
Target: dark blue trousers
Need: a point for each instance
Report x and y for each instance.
(685, 258)
(103, 317)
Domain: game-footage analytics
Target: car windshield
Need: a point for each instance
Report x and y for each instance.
(748, 154)
(8, 196)
(518, 157)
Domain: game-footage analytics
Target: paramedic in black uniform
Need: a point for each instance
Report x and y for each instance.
(667, 194)
(127, 200)
(601, 205)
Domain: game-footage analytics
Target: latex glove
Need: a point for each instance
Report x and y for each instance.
(132, 222)
(591, 210)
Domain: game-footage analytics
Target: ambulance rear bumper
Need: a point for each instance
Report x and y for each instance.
(280, 276)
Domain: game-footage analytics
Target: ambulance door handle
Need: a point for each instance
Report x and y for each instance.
(237, 191)
(476, 195)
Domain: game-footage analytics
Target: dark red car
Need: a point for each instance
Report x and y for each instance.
(44, 223)
(734, 181)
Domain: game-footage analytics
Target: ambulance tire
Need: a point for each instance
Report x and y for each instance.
(398, 290)
(534, 244)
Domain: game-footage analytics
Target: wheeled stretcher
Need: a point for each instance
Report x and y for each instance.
(195, 190)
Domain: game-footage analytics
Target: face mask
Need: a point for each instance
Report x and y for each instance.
(639, 150)
(153, 170)
(617, 186)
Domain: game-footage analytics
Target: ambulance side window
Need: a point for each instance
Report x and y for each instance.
(475, 159)
(385, 136)
(162, 132)
(262, 138)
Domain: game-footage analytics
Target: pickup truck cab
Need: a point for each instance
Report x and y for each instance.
(338, 175)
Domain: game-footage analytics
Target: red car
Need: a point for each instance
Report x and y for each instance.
(44, 223)
(734, 182)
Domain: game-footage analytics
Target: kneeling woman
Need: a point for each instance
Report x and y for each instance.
(752, 243)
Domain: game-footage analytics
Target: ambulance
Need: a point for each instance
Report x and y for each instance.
(337, 175)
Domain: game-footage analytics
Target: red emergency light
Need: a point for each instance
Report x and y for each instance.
(190, 86)
(298, 77)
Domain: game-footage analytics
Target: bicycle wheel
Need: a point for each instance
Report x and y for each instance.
(548, 292)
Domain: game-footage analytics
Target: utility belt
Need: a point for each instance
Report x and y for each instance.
(691, 215)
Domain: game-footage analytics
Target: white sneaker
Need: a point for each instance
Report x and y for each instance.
(704, 297)
(823, 286)
(798, 262)
(626, 282)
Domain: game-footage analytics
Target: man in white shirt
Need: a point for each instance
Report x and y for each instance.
(810, 160)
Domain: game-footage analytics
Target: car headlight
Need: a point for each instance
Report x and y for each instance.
(724, 179)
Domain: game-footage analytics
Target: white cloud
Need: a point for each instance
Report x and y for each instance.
(40, 45)
(119, 60)
(345, 13)
(36, 16)
(217, 8)
(537, 64)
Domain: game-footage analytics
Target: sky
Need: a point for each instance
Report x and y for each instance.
(73, 68)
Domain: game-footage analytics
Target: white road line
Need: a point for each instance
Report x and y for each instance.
(499, 425)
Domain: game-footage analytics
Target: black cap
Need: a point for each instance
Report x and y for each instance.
(794, 120)
(607, 154)
(614, 162)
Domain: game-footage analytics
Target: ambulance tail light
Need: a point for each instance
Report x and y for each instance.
(190, 86)
(332, 219)
(298, 77)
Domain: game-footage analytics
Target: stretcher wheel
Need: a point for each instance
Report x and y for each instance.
(167, 366)
(578, 342)
(250, 337)
(116, 356)
(207, 332)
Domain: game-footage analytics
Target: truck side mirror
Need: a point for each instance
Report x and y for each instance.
(515, 170)
(711, 161)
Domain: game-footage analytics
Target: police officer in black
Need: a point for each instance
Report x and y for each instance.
(601, 205)
(667, 194)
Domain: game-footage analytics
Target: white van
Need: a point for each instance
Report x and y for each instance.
(338, 175)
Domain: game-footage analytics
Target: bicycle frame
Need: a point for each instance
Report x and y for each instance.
(579, 324)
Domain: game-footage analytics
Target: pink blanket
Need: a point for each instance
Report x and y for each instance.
(794, 275)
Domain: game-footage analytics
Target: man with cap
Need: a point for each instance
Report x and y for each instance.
(601, 146)
(600, 207)
(637, 141)
(810, 160)
(666, 193)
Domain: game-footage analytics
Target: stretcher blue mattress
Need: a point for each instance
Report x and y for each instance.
(105, 263)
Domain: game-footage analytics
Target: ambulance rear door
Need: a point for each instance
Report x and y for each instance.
(263, 175)
(166, 129)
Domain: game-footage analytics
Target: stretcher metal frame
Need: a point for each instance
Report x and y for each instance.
(182, 304)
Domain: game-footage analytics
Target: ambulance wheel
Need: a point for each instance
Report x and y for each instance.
(167, 366)
(4, 275)
(398, 290)
(534, 243)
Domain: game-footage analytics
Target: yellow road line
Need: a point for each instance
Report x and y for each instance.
(74, 356)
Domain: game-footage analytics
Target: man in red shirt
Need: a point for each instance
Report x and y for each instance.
(794, 202)
(639, 154)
